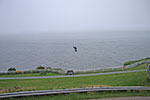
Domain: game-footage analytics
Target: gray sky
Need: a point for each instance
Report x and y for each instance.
(47, 16)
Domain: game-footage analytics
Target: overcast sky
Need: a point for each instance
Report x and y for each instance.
(47, 16)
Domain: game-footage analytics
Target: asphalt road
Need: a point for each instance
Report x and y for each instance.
(62, 76)
(125, 98)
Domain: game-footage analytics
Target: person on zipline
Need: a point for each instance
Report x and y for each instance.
(75, 48)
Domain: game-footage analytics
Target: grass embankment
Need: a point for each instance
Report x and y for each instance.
(134, 61)
(85, 96)
(125, 79)
(140, 67)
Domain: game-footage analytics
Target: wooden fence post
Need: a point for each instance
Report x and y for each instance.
(148, 71)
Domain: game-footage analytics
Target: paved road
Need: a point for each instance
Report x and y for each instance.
(125, 98)
(78, 90)
(61, 76)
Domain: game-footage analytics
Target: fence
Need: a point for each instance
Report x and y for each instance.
(114, 68)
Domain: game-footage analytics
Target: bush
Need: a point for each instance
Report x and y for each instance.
(12, 69)
(40, 67)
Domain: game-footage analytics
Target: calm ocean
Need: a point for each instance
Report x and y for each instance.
(95, 50)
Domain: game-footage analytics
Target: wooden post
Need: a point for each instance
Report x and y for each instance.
(147, 65)
(148, 71)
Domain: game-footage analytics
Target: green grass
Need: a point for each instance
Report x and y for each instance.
(30, 75)
(85, 96)
(140, 67)
(131, 62)
(125, 79)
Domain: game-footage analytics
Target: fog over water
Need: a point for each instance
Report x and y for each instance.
(42, 32)
(41, 16)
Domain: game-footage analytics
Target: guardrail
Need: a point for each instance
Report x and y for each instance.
(64, 91)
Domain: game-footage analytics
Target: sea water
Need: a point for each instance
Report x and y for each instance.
(95, 50)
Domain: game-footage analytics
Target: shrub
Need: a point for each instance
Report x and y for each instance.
(40, 67)
(12, 69)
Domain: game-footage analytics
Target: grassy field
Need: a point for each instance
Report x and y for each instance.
(140, 67)
(85, 96)
(125, 79)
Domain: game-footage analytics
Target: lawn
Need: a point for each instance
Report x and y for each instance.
(124, 79)
(140, 67)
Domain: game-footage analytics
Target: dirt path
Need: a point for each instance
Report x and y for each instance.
(125, 98)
